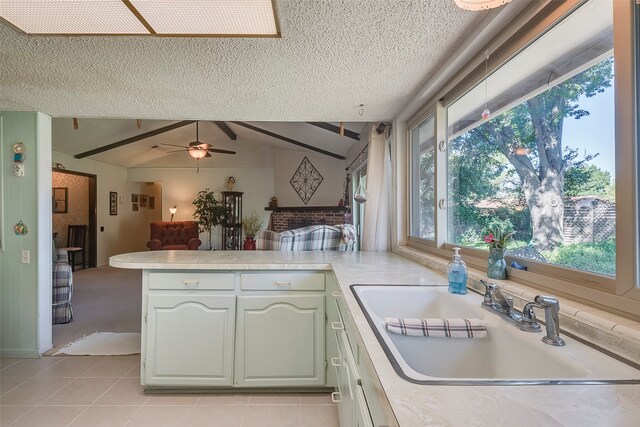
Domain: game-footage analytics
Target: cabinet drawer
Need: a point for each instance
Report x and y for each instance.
(282, 281)
(182, 280)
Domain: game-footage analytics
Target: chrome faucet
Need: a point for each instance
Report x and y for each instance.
(502, 305)
(551, 308)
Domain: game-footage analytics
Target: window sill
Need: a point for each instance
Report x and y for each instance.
(610, 332)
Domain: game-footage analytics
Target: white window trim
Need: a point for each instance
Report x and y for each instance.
(621, 293)
(423, 115)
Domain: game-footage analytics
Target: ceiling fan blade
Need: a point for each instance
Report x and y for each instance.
(173, 145)
(217, 150)
(208, 155)
(177, 151)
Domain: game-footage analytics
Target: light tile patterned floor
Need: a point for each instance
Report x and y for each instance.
(96, 391)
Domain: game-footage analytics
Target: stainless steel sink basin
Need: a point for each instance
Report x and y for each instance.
(506, 356)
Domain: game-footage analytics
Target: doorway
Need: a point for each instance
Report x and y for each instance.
(74, 203)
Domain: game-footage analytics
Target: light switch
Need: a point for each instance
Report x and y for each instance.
(26, 256)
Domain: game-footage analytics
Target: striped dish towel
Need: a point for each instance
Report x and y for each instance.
(439, 328)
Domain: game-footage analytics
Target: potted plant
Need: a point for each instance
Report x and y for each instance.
(209, 212)
(497, 241)
(251, 225)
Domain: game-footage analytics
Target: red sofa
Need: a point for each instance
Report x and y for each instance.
(175, 235)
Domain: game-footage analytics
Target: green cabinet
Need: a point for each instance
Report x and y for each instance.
(280, 341)
(189, 340)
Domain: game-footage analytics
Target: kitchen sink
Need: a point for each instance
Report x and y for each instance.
(506, 356)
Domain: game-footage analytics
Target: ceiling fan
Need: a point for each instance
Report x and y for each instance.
(198, 149)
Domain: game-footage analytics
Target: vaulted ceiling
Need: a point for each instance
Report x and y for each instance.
(152, 152)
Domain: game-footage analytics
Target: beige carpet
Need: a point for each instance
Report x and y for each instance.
(104, 299)
(103, 344)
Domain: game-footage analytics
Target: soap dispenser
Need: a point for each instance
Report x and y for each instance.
(457, 274)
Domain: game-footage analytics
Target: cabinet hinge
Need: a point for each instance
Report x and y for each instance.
(325, 364)
(144, 363)
(145, 318)
(326, 318)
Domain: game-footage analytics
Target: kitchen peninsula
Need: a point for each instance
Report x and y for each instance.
(237, 291)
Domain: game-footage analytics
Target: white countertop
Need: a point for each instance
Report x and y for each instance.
(415, 404)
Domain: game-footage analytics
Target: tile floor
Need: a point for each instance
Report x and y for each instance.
(105, 391)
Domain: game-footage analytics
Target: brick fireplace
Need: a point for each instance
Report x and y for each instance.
(287, 218)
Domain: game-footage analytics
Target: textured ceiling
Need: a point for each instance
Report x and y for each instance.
(333, 55)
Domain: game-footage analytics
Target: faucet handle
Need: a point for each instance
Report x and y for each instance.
(488, 294)
(529, 320)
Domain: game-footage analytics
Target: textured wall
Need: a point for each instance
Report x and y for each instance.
(282, 220)
(77, 204)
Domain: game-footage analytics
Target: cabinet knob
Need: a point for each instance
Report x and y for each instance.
(335, 361)
(337, 326)
(336, 294)
(190, 282)
(336, 397)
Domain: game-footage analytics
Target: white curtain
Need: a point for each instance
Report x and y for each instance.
(376, 233)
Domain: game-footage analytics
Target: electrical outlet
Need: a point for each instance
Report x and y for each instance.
(26, 256)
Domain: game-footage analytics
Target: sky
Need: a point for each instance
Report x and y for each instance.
(594, 133)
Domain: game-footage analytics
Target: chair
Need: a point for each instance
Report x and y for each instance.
(62, 288)
(76, 244)
(174, 235)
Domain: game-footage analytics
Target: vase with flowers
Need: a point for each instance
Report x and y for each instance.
(251, 225)
(497, 241)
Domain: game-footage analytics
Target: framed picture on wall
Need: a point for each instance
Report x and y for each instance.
(60, 195)
(134, 207)
(134, 198)
(113, 203)
(152, 202)
(143, 200)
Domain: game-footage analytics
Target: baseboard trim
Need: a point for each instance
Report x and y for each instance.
(19, 353)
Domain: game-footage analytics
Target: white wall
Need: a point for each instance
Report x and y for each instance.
(180, 186)
(25, 288)
(134, 229)
(329, 192)
(126, 232)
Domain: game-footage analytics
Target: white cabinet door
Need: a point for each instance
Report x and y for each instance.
(345, 396)
(280, 341)
(189, 340)
(361, 417)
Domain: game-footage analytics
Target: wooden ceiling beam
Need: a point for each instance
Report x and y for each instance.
(289, 140)
(337, 129)
(226, 129)
(133, 139)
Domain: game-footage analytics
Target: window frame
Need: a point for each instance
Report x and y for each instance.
(416, 121)
(621, 292)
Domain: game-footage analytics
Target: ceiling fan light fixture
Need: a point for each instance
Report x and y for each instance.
(197, 153)
(476, 5)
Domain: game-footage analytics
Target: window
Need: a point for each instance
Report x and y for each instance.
(556, 160)
(422, 179)
(542, 165)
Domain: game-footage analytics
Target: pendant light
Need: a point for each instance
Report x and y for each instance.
(475, 5)
(361, 192)
(486, 113)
